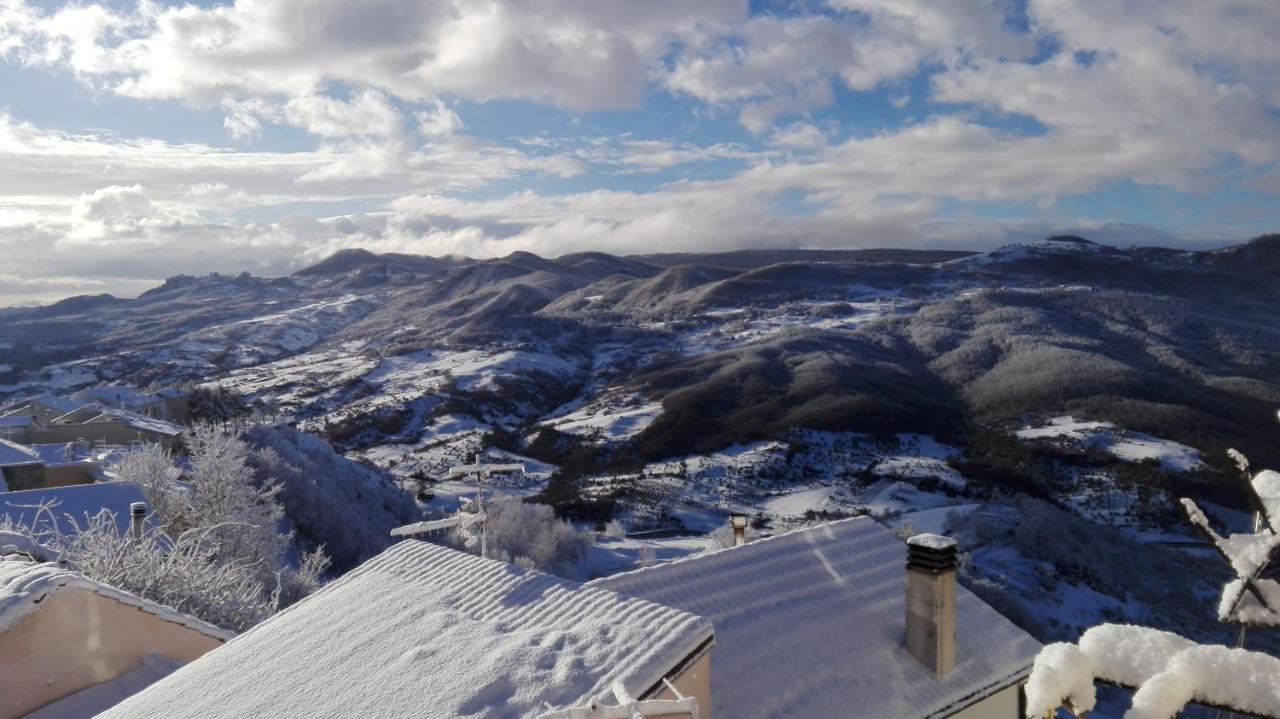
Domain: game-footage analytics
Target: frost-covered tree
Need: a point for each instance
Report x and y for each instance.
(1169, 671)
(332, 501)
(182, 573)
(240, 510)
(152, 468)
(531, 536)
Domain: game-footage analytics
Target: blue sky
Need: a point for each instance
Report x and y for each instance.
(143, 140)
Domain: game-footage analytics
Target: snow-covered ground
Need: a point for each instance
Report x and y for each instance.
(609, 418)
(813, 476)
(1122, 444)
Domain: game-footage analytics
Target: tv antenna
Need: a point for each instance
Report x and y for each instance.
(463, 519)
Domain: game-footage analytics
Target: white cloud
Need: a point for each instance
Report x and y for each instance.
(583, 56)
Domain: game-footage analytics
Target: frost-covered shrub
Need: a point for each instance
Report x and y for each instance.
(345, 506)
(531, 536)
(240, 511)
(183, 574)
(615, 530)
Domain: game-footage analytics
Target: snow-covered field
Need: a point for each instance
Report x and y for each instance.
(1124, 445)
(815, 475)
(609, 418)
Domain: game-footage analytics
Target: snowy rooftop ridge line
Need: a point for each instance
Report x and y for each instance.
(811, 622)
(424, 630)
(24, 584)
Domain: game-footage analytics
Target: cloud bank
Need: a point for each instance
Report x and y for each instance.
(840, 124)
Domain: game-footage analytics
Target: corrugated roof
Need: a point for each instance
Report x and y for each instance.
(13, 454)
(426, 631)
(24, 584)
(812, 623)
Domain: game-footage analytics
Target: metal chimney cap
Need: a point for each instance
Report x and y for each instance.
(138, 509)
(738, 521)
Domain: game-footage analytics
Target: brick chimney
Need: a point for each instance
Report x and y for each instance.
(931, 601)
(739, 524)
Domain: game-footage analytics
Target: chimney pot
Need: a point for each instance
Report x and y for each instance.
(739, 524)
(137, 519)
(931, 601)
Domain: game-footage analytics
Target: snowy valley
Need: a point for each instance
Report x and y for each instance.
(1054, 389)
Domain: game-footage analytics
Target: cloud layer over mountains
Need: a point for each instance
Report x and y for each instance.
(561, 125)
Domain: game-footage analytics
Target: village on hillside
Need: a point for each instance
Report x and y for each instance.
(839, 618)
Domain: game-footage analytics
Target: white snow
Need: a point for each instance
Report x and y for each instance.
(810, 623)
(425, 631)
(1122, 444)
(603, 421)
(795, 504)
(1061, 674)
(932, 541)
(1169, 672)
(24, 584)
(1248, 609)
(1267, 486)
(71, 507)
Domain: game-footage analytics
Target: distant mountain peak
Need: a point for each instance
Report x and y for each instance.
(1076, 239)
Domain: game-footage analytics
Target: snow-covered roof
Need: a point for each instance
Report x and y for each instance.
(50, 401)
(24, 584)
(812, 623)
(426, 631)
(23, 420)
(71, 506)
(13, 454)
(55, 453)
(114, 395)
(140, 422)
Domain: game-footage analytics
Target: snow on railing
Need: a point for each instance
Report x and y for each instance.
(1168, 672)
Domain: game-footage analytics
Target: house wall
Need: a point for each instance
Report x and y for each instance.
(694, 681)
(108, 432)
(14, 434)
(27, 476)
(1001, 705)
(77, 639)
(177, 409)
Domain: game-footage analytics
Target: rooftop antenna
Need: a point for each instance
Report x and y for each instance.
(464, 520)
(482, 472)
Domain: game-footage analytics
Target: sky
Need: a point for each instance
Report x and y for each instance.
(140, 140)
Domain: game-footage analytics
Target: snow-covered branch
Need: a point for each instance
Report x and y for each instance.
(1168, 671)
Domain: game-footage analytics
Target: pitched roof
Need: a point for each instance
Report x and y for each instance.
(97, 413)
(24, 584)
(812, 622)
(71, 506)
(13, 454)
(422, 630)
(52, 401)
(114, 395)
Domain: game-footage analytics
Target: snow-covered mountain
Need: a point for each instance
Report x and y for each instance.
(1054, 386)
